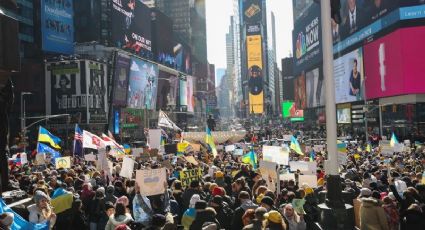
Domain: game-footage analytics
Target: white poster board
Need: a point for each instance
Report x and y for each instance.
(24, 159)
(288, 176)
(238, 152)
(310, 180)
(398, 148)
(154, 138)
(287, 137)
(269, 173)
(151, 181)
(276, 154)
(230, 148)
(386, 148)
(304, 167)
(90, 157)
(137, 152)
(40, 159)
(342, 158)
(127, 168)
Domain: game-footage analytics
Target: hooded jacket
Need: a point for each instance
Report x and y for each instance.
(372, 215)
(203, 216)
(36, 217)
(109, 194)
(113, 221)
(237, 216)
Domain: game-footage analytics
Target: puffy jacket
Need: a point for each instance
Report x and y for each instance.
(204, 216)
(113, 221)
(372, 215)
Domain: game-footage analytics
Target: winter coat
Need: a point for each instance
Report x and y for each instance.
(188, 218)
(224, 216)
(113, 221)
(36, 217)
(79, 221)
(256, 225)
(187, 195)
(237, 216)
(412, 220)
(372, 215)
(203, 216)
(96, 209)
(393, 218)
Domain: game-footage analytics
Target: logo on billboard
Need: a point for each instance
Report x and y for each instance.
(308, 40)
(252, 10)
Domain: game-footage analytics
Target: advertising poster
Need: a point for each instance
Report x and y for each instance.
(315, 88)
(388, 72)
(252, 11)
(57, 26)
(349, 77)
(65, 88)
(255, 74)
(97, 87)
(182, 55)
(167, 90)
(343, 114)
(183, 92)
(189, 94)
(131, 26)
(143, 85)
(162, 38)
(151, 181)
(306, 37)
(300, 94)
(122, 68)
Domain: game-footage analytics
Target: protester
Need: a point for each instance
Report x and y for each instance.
(41, 211)
(119, 217)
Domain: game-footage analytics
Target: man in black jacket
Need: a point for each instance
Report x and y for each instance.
(246, 204)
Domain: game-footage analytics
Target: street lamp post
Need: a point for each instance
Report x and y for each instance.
(23, 118)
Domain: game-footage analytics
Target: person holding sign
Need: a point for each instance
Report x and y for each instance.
(294, 220)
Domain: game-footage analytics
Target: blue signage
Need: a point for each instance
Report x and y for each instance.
(57, 26)
(116, 122)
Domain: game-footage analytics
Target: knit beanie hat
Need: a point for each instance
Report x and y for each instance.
(195, 198)
(39, 195)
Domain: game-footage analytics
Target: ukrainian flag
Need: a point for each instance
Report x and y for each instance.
(393, 140)
(210, 142)
(342, 147)
(296, 146)
(61, 200)
(368, 148)
(45, 136)
(250, 158)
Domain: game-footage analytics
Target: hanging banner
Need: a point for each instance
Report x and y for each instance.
(151, 181)
(255, 73)
(187, 176)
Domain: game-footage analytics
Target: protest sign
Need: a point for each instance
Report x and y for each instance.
(230, 148)
(63, 162)
(386, 148)
(318, 148)
(187, 176)
(398, 147)
(191, 160)
(24, 159)
(275, 154)
(196, 147)
(298, 205)
(137, 152)
(181, 147)
(342, 158)
(269, 173)
(304, 167)
(287, 176)
(238, 152)
(287, 137)
(40, 159)
(154, 138)
(310, 180)
(90, 157)
(127, 168)
(151, 181)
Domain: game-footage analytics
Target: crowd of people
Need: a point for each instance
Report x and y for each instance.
(386, 191)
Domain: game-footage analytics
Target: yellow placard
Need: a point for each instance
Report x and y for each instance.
(187, 176)
(63, 162)
(255, 74)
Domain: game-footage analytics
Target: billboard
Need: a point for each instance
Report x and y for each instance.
(167, 90)
(299, 92)
(393, 64)
(182, 54)
(183, 92)
(122, 68)
(315, 88)
(131, 26)
(162, 38)
(143, 85)
(78, 88)
(255, 73)
(306, 36)
(252, 11)
(288, 108)
(190, 99)
(343, 114)
(349, 77)
(57, 26)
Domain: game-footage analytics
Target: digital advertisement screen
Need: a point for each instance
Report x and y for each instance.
(343, 115)
(315, 88)
(162, 34)
(300, 7)
(189, 94)
(299, 88)
(252, 11)
(122, 68)
(255, 74)
(394, 64)
(182, 54)
(349, 77)
(183, 92)
(143, 85)
(287, 107)
(131, 26)
(57, 26)
(167, 90)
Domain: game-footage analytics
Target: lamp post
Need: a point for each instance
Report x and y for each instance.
(23, 118)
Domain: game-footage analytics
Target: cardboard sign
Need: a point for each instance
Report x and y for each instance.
(191, 160)
(127, 168)
(154, 138)
(310, 180)
(288, 176)
(40, 159)
(269, 173)
(90, 157)
(304, 167)
(137, 152)
(276, 154)
(63, 162)
(196, 147)
(230, 148)
(187, 176)
(151, 181)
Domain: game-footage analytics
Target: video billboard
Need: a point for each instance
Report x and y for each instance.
(167, 90)
(394, 64)
(143, 85)
(131, 26)
(315, 88)
(306, 38)
(122, 68)
(255, 73)
(183, 92)
(252, 11)
(299, 91)
(162, 38)
(300, 7)
(343, 114)
(57, 26)
(349, 77)
(189, 94)
(182, 54)
(97, 78)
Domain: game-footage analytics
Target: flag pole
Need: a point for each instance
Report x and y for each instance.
(73, 149)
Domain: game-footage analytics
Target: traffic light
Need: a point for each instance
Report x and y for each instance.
(335, 10)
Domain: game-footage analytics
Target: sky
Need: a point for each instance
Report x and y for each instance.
(218, 14)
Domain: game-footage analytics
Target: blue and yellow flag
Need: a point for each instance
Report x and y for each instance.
(210, 142)
(393, 140)
(61, 200)
(19, 222)
(312, 156)
(250, 158)
(296, 146)
(368, 148)
(45, 136)
(42, 148)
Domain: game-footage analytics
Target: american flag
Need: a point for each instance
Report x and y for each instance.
(78, 141)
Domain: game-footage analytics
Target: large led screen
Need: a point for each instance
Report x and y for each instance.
(143, 85)
(394, 64)
(349, 77)
(315, 88)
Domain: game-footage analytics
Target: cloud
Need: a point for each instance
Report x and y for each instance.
(134, 67)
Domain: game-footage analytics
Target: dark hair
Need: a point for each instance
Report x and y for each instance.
(355, 61)
(244, 195)
(119, 209)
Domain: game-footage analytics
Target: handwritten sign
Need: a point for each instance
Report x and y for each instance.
(187, 176)
(127, 168)
(63, 162)
(151, 181)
